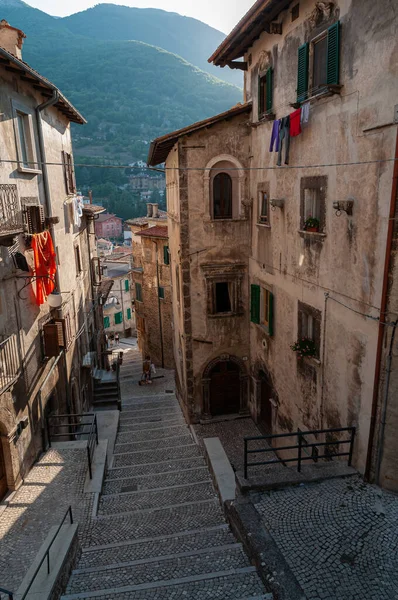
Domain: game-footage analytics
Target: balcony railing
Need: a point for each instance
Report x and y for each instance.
(11, 221)
(10, 364)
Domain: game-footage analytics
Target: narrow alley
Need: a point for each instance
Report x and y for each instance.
(159, 531)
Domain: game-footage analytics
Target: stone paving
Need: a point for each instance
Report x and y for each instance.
(340, 537)
(159, 530)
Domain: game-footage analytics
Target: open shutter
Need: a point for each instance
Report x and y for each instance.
(255, 304)
(166, 258)
(51, 339)
(333, 55)
(118, 318)
(271, 314)
(61, 329)
(64, 166)
(302, 72)
(129, 313)
(126, 285)
(259, 107)
(106, 323)
(269, 83)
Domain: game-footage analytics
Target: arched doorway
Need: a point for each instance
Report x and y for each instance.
(224, 387)
(267, 397)
(3, 475)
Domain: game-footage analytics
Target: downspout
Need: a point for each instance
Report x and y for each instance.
(159, 306)
(383, 308)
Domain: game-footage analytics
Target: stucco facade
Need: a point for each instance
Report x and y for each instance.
(326, 285)
(119, 315)
(109, 226)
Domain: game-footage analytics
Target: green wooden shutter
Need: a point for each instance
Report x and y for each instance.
(166, 257)
(107, 323)
(270, 82)
(255, 304)
(259, 107)
(333, 55)
(302, 72)
(118, 318)
(271, 314)
(126, 285)
(129, 313)
(138, 292)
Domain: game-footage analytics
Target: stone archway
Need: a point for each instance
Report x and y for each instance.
(224, 385)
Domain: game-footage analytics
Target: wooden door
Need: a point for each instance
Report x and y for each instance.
(225, 389)
(3, 477)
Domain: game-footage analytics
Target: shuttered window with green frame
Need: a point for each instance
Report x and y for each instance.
(118, 318)
(333, 55)
(265, 93)
(255, 293)
(107, 323)
(126, 285)
(166, 256)
(128, 312)
(138, 292)
(302, 72)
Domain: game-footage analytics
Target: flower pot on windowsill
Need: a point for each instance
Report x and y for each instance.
(305, 348)
(312, 229)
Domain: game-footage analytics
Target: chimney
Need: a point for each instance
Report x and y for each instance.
(149, 209)
(11, 39)
(155, 213)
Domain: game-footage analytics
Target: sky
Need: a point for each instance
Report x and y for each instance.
(221, 14)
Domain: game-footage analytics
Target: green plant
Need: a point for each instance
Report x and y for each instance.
(311, 223)
(304, 347)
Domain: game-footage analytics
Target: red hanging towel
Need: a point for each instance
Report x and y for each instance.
(295, 126)
(45, 265)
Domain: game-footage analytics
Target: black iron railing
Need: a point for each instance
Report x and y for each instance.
(10, 364)
(305, 450)
(75, 426)
(47, 553)
(6, 594)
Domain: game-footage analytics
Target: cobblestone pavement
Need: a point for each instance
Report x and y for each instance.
(54, 483)
(159, 532)
(340, 537)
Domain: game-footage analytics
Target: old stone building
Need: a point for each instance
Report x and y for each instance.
(119, 316)
(50, 290)
(308, 238)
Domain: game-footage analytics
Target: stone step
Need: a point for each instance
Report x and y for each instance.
(184, 564)
(148, 482)
(143, 549)
(236, 584)
(130, 501)
(150, 445)
(162, 455)
(164, 521)
(144, 401)
(155, 468)
(153, 434)
(143, 411)
(132, 425)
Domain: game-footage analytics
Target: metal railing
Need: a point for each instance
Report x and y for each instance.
(10, 364)
(6, 594)
(76, 427)
(302, 446)
(47, 553)
(11, 220)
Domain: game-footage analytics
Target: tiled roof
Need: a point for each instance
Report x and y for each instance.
(104, 288)
(106, 216)
(93, 209)
(161, 146)
(145, 220)
(157, 232)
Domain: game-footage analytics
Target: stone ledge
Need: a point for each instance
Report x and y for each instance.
(221, 470)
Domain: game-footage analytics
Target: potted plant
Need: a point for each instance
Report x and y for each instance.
(304, 347)
(311, 224)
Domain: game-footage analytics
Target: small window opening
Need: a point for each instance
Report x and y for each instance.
(223, 298)
(295, 12)
(264, 208)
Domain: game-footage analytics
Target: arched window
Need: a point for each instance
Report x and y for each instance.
(222, 196)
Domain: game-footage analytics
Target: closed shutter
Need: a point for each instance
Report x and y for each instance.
(333, 55)
(166, 257)
(64, 165)
(62, 334)
(302, 72)
(118, 318)
(255, 304)
(259, 107)
(51, 340)
(271, 314)
(107, 323)
(34, 218)
(126, 285)
(269, 83)
(129, 313)
(138, 292)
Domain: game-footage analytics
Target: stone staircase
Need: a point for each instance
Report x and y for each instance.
(160, 532)
(106, 394)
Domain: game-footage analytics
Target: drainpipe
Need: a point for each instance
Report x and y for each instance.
(383, 310)
(159, 306)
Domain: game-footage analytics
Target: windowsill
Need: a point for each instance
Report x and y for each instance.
(233, 220)
(264, 329)
(312, 360)
(28, 171)
(309, 234)
(224, 315)
(266, 225)
(265, 119)
(328, 90)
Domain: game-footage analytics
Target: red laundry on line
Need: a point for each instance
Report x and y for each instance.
(45, 265)
(295, 125)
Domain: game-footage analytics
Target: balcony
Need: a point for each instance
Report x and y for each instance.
(11, 221)
(10, 364)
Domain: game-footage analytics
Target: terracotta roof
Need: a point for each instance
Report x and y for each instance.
(42, 84)
(104, 288)
(93, 209)
(161, 146)
(145, 220)
(249, 28)
(106, 216)
(157, 232)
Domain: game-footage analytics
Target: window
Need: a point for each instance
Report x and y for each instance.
(265, 93)
(128, 313)
(78, 260)
(313, 203)
(295, 12)
(126, 285)
(107, 323)
(161, 292)
(309, 324)
(222, 196)
(222, 297)
(33, 215)
(262, 308)
(69, 173)
(118, 318)
(55, 337)
(166, 256)
(25, 140)
(263, 208)
(138, 292)
(319, 63)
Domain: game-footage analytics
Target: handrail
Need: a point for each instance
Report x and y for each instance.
(47, 553)
(299, 446)
(9, 594)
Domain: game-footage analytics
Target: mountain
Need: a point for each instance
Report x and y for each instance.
(189, 38)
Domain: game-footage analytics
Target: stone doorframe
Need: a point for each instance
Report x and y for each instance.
(256, 379)
(243, 379)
